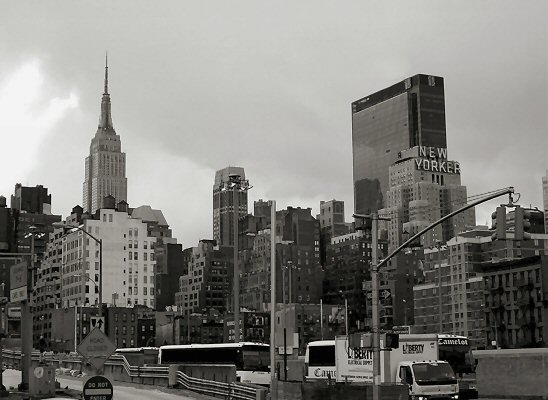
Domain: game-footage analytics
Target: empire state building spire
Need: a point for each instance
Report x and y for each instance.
(105, 121)
(105, 170)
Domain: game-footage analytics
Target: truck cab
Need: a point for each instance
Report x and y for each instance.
(428, 380)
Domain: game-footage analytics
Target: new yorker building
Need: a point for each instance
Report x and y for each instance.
(105, 172)
(424, 186)
(408, 114)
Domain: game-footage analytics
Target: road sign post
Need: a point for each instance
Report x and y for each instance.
(96, 348)
(18, 282)
(98, 388)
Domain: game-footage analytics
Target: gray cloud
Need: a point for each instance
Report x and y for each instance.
(268, 87)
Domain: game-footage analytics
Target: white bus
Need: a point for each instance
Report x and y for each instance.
(319, 360)
(252, 360)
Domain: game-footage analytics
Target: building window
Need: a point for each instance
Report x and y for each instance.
(135, 244)
(124, 317)
(131, 255)
(135, 256)
(145, 256)
(145, 244)
(116, 318)
(132, 317)
(124, 330)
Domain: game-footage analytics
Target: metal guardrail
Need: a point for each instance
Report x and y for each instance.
(233, 390)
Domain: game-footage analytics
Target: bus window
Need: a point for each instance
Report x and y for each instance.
(254, 360)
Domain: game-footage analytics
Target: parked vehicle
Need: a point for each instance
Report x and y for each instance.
(252, 360)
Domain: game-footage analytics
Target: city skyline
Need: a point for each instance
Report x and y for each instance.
(282, 111)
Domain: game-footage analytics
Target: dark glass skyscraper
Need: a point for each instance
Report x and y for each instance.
(407, 114)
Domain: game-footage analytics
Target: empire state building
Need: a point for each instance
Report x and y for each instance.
(106, 164)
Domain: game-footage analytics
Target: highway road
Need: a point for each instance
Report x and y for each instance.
(12, 378)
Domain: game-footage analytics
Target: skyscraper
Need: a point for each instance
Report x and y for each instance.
(106, 164)
(407, 114)
(223, 205)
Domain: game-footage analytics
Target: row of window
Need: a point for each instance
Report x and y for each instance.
(134, 256)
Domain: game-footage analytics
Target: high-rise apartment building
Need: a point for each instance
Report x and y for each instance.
(207, 282)
(105, 172)
(128, 259)
(467, 301)
(167, 253)
(408, 114)
(35, 200)
(332, 224)
(223, 204)
(545, 199)
(424, 186)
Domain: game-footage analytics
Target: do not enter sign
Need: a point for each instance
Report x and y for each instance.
(97, 388)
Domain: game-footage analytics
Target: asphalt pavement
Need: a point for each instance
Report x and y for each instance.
(122, 390)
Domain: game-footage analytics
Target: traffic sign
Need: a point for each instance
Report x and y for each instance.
(97, 322)
(97, 388)
(401, 329)
(18, 282)
(383, 294)
(96, 347)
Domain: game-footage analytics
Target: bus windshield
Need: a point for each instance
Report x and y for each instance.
(434, 373)
(321, 356)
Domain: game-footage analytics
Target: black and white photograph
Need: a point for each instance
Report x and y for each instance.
(274, 200)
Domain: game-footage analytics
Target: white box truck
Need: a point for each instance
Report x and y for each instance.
(414, 362)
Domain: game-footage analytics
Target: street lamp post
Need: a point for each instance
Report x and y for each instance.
(26, 314)
(100, 243)
(376, 265)
(237, 184)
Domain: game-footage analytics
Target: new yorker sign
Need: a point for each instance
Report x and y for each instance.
(432, 159)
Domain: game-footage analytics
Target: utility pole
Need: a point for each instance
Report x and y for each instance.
(375, 325)
(375, 306)
(273, 386)
(440, 309)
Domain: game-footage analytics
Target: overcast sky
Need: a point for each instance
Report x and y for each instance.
(197, 86)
